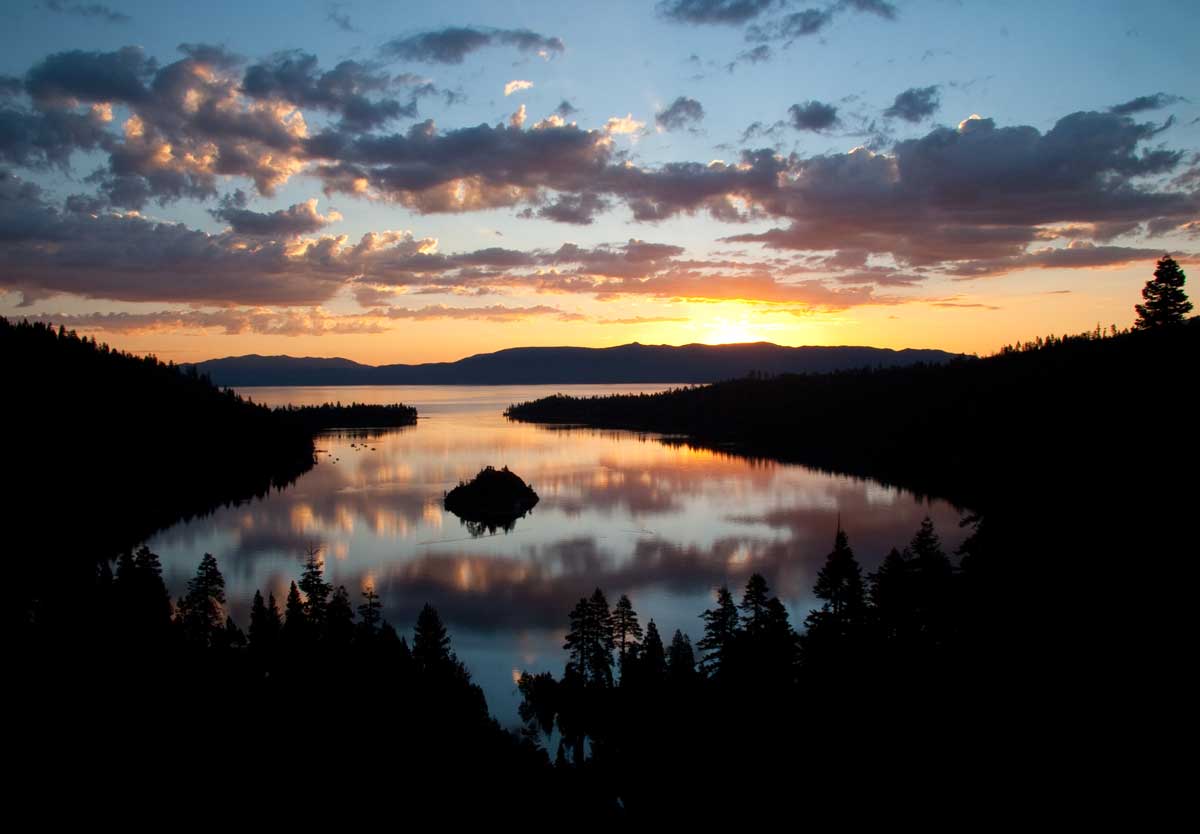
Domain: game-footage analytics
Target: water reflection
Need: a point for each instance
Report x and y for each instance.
(664, 523)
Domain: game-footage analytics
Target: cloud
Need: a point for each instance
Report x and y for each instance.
(517, 119)
(340, 18)
(980, 193)
(295, 78)
(791, 26)
(495, 312)
(127, 257)
(879, 8)
(577, 209)
(684, 112)
(1143, 103)
(452, 44)
(93, 11)
(263, 321)
(813, 115)
(914, 104)
(623, 125)
(728, 12)
(516, 86)
(298, 219)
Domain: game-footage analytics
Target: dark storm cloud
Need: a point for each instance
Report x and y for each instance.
(1143, 103)
(915, 104)
(684, 112)
(813, 115)
(295, 77)
(452, 44)
(94, 11)
(728, 12)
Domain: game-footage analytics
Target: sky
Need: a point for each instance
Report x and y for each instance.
(412, 182)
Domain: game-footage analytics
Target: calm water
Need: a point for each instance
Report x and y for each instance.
(664, 524)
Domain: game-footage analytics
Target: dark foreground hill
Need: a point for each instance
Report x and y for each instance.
(633, 363)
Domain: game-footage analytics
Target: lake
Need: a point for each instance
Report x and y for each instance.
(664, 523)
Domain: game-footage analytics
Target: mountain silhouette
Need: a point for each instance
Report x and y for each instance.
(632, 363)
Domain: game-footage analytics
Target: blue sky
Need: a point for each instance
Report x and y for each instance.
(864, 213)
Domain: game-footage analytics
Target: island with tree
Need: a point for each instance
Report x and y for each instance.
(494, 499)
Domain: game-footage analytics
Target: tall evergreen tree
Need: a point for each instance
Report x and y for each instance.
(590, 640)
(265, 624)
(840, 582)
(652, 664)
(754, 605)
(892, 602)
(681, 660)
(202, 610)
(295, 621)
(431, 643)
(339, 626)
(626, 630)
(370, 612)
(1166, 302)
(720, 632)
(316, 590)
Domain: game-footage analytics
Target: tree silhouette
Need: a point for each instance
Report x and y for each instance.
(1166, 302)
(681, 660)
(626, 630)
(202, 610)
(720, 632)
(370, 611)
(652, 663)
(295, 622)
(590, 642)
(316, 589)
(431, 643)
(834, 629)
(265, 624)
(339, 626)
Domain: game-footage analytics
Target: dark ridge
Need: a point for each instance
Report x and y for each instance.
(972, 430)
(633, 363)
(493, 499)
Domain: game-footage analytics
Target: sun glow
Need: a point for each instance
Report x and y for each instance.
(726, 331)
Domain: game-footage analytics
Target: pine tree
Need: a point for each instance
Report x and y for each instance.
(295, 623)
(316, 590)
(840, 581)
(626, 630)
(590, 640)
(431, 643)
(265, 624)
(754, 604)
(339, 626)
(370, 611)
(681, 660)
(1166, 302)
(720, 633)
(653, 661)
(202, 610)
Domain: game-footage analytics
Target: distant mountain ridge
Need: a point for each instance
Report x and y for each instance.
(632, 363)
(534, 366)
